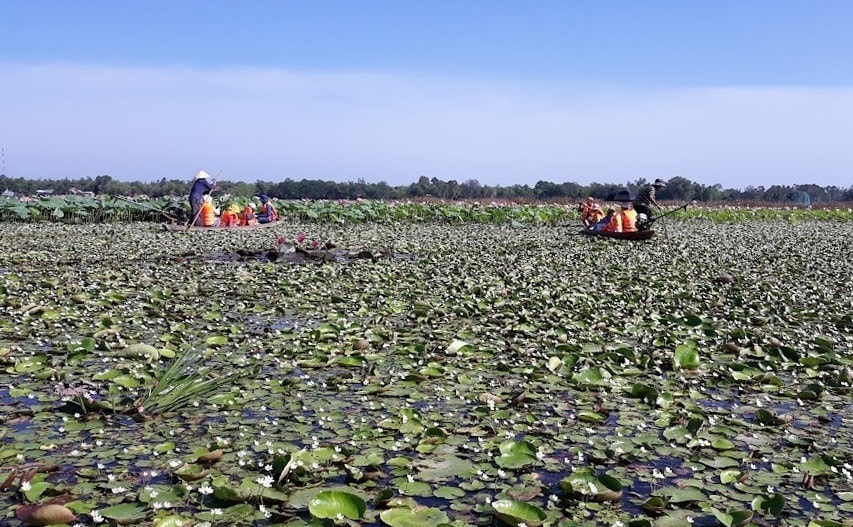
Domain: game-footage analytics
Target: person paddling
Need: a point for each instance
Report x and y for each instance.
(201, 186)
(646, 199)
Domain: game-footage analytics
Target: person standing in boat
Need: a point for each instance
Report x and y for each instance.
(646, 199)
(207, 214)
(201, 186)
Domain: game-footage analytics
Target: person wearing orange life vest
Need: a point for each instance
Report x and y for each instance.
(247, 217)
(591, 212)
(614, 224)
(230, 216)
(207, 215)
(267, 214)
(629, 218)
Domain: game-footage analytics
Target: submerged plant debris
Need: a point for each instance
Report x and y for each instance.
(500, 375)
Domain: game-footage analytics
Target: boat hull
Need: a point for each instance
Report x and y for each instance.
(635, 236)
(180, 227)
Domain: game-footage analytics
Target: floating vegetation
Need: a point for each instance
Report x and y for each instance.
(504, 373)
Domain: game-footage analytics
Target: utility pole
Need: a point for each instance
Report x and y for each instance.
(3, 166)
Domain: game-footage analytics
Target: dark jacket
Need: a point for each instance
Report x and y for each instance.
(200, 186)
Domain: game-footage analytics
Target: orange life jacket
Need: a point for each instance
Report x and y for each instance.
(591, 215)
(228, 219)
(629, 220)
(615, 223)
(248, 216)
(208, 215)
(269, 211)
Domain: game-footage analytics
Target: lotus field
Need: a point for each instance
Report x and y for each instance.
(476, 365)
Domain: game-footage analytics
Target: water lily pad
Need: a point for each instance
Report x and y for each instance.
(191, 472)
(336, 504)
(686, 357)
(772, 505)
(734, 518)
(514, 513)
(516, 454)
(418, 517)
(583, 483)
(722, 444)
(145, 351)
(126, 513)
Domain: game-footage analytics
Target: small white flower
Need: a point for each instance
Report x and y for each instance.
(205, 489)
(216, 512)
(96, 516)
(175, 463)
(25, 486)
(265, 481)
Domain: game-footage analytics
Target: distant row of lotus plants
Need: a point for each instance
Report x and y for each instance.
(106, 209)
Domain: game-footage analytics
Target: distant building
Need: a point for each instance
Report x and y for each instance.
(83, 193)
(8, 194)
(44, 192)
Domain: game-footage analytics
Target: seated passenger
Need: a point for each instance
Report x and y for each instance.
(230, 217)
(614, 224)
(267, 214)
(247, 217)
(629, 218)
(591, 212)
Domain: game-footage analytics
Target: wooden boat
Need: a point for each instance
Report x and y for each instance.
(635, 236)
(182, 227)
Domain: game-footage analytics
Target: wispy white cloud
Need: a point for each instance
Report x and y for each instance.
(67, 120)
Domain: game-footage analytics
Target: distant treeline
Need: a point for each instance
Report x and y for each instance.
(678, 188)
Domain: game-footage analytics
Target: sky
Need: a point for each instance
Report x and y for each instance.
(734, 93)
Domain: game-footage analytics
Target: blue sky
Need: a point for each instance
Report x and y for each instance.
(735, 93)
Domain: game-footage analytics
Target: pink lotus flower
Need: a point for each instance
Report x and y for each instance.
(300, 237)
(280, 240)
(314, 244)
